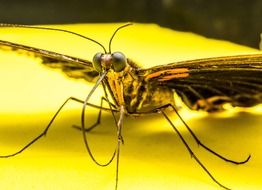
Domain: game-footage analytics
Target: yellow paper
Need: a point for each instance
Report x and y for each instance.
(153, 156)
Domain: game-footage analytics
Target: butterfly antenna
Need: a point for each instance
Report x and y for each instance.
(111, 39)
(54, 29)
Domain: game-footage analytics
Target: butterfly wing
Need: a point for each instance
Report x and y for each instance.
(73, 67)
(207, 84)
(202, 84)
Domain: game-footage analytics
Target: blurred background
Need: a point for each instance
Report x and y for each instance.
(238, 21)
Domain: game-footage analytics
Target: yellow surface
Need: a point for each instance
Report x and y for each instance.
(153, 156)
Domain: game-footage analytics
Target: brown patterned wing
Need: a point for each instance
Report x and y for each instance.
(71, 66)
(207, 84)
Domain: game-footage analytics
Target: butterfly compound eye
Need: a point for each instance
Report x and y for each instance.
(118, 61)
(97, 62)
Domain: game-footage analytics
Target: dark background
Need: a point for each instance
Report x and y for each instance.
(239, 21)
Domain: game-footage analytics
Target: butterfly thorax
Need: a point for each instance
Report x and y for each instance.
(130, 90)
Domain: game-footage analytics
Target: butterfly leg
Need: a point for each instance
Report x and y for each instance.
(204, 146)
(99, 115)
(189, 149)
(119, 124)
(119, 141)
(44, 132)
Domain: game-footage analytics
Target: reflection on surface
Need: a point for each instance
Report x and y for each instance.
(152, 156)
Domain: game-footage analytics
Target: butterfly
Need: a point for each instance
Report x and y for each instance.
(202, 84)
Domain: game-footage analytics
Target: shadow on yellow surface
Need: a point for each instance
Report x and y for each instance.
(153, 156)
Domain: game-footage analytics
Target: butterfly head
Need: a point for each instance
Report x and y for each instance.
(106, 61)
